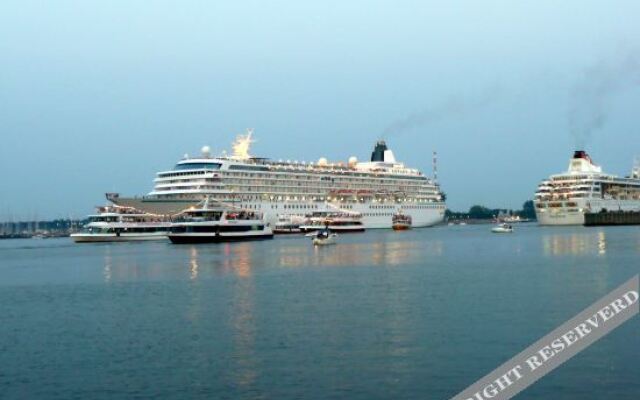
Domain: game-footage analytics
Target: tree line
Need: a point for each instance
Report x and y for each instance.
(481, 212)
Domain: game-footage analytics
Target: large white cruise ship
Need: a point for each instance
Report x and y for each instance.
(376, 189)
(563, 199)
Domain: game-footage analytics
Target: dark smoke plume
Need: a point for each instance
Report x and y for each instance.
(588, 98)
(454, 107)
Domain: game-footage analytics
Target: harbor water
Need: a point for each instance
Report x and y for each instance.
(420, 314)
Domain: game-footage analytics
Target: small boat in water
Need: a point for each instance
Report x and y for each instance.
(502, 228)
(401, 221)
(288, 224)
(324, 237)
(336, 221)
(122, 224)
(209, 223)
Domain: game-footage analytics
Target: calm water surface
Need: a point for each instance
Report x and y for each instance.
(413, 315)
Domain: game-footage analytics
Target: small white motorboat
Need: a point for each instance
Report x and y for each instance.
(324, 237)
(502, 228)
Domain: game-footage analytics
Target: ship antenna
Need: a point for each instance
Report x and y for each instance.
(435, 166)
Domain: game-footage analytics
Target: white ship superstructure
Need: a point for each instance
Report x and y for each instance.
(563, 199)
(122, 224)
(376, 189)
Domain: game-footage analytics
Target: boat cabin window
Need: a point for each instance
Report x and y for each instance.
(197, 165)
(209, 215)
(100, 218)
(243, 215)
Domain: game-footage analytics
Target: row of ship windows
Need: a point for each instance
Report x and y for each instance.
(366, 214)
(283, 189)
(292, 182)
(564, 196)
(225, 197)
(344, 207)
(174, 174)
(616, 196)
(332, 181)
(298, 206)
(569, 189)
(556, 205)
(309, 176)
(328, 179)
(256, 186)
(284, 182)
(291, 196)
(377, 214)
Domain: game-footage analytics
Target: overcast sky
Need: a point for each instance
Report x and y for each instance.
(98, 96)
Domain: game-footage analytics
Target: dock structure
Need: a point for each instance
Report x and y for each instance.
(612, 218)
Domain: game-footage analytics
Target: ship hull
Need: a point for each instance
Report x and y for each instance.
(574, 215)
(561, 217)
(401, 227)
(112, 237)
(208, 238)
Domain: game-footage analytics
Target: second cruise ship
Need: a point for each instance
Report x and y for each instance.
(564, 198)
(376, 189)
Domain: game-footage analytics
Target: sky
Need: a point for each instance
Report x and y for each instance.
(97, 97)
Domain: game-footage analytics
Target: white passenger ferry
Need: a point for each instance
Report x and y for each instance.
(334, 221)
(213, 223)
(563, 199)
(376, 189)
(122, 224)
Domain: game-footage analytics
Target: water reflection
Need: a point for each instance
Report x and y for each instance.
(581, 243)
(602, 243)
(108, 262)
(378, 253)
(238, 258)
(193, 263)
(242, 318)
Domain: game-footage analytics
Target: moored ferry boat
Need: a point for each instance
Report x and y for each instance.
(209, 223)
(122, 224)
(334, 221)
(288, 224)
(563, 199)
(376, 189)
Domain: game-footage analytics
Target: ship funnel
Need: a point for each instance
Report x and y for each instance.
(379, 151)
(580, 154)
(582, 163)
